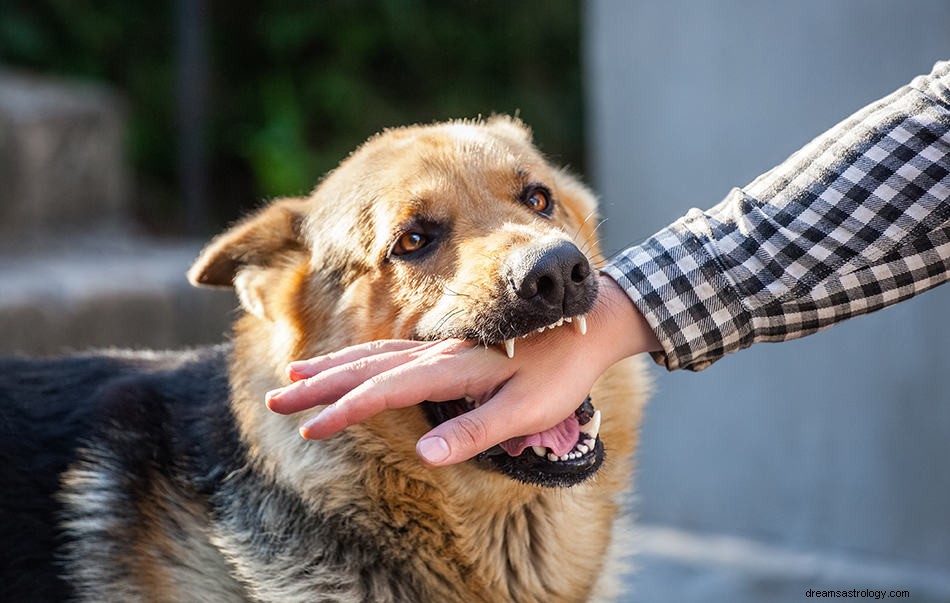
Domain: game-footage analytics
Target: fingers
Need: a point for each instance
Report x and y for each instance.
(433, 378)
(332, 376)
(302, 369)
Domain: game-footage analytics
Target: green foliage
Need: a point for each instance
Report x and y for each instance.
(296, 85)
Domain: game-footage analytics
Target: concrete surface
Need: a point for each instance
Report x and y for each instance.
(109, 291)
(754, 572)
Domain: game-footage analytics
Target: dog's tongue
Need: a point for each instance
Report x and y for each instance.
(561, 438)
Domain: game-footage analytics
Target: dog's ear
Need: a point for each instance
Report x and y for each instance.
(240, 256)
(512, 127)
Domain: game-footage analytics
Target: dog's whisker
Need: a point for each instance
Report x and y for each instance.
(595, 234)
(584, 223)
(449, 291)
(447, 317)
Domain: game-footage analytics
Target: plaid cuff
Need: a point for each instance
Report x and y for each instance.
(685, 297)
(854, 221)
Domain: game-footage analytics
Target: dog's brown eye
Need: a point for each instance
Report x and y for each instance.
(538, 199)
(409, 242)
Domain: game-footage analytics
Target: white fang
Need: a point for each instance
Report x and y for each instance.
(580, 324)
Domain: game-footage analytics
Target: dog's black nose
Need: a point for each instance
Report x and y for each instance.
(557, 276)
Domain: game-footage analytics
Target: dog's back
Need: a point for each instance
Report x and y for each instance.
(54, 412)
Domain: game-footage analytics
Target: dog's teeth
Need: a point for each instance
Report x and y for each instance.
(564, 457)
(581, 324)
(560, 321)
(540, 451)
(583, 449)
(541, 330)
(589, 443)
(510, 347)
(568, 319)
(593, 426)
(552, 456)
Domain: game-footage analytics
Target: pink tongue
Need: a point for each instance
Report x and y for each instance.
(561, 438)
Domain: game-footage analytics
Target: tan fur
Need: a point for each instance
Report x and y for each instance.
(313, 277)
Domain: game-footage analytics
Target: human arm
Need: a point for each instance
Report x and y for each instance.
(855, 221)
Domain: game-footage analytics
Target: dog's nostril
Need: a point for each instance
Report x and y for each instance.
(527, 289)
(546, 287)
(580, 272)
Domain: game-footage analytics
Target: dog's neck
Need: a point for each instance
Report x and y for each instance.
(262, 350)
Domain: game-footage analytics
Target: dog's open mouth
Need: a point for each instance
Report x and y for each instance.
(565, 455)
(562, 456)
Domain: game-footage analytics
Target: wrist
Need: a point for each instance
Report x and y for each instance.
(622, 328)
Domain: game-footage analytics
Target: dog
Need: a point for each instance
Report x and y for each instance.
(162, 476)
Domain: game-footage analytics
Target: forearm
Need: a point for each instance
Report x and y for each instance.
(855, 221)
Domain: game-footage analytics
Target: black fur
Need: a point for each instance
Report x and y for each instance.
(132, 404)
(168, 415)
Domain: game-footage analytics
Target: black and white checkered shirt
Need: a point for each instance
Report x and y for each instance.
(855, 221)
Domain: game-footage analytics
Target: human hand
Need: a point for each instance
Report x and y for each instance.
(549, 376)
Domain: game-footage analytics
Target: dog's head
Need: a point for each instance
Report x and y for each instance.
(459, 229)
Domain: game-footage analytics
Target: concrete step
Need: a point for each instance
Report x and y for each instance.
(686, 567)
(106, 290)
(62, 163)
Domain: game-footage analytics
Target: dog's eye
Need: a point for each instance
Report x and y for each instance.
(409, 242)
(538, 199)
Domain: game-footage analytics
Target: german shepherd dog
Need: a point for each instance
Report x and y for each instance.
(162, 476)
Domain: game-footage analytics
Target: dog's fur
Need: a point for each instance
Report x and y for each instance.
(163, 477)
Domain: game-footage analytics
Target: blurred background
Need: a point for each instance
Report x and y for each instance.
(229, 103)
(132, 131)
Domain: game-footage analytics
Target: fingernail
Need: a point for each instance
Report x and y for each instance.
(272, 395)
(433, 449)
(294, 367)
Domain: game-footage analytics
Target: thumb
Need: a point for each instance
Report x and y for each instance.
(456, 440)
(464, 436)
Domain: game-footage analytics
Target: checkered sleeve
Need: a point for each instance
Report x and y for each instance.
(853, 222)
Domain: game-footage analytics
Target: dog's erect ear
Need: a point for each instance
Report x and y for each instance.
(235, 257)
(510, 126)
